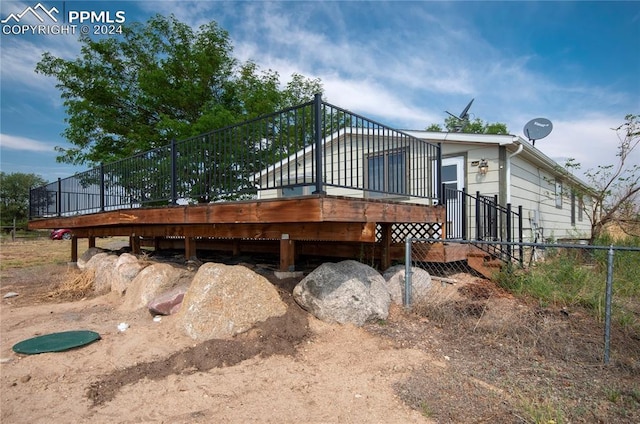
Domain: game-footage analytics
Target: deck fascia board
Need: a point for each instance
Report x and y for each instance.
(293, 210)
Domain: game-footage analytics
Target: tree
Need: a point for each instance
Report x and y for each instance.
(14, 196)
(615, 188)
(157, 82)
(477, 126)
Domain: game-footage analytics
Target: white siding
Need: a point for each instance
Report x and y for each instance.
(534, 188)
(530, 186)
(346, 162)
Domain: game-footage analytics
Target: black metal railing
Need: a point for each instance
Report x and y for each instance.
(491, 222)
(306, 149)
(456, 202)
(495, 222)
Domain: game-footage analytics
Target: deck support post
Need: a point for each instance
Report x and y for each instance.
(287, 253)
(189, 247)
(134, 242)
(74, 249)
(235, 248)
(385, 252)
(92, 242)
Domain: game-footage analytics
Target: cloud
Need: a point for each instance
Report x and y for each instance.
(19, 57)
(591, 141)
(402, 66)
(410, 63)
(11, 142)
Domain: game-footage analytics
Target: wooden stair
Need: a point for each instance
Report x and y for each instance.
(484, 263)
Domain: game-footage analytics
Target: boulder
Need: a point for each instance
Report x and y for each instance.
(151, 282)
(86, 256)
(127, 267)
(395, 281)
(104, 266)
(225, 300)
(344, 292)
(169, 302)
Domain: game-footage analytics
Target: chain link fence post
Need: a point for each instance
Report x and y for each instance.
(407, 273)
(607, 306)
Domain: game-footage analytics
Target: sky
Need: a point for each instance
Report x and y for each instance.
(403, 64)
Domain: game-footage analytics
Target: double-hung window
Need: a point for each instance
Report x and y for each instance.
(558, 194)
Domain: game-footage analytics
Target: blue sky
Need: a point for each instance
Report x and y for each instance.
(401, 63)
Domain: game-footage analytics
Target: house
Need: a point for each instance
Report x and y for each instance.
(509, 167)
(237, 189)
(319, 180)
(505, 171)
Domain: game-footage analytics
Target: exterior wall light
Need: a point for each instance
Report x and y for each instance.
(483, 167)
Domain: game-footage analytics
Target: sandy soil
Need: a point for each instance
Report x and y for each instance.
(291, 369)
(337, 374)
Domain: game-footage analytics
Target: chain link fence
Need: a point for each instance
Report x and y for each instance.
(457, 277)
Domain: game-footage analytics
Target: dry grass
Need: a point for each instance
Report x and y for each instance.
(43, 251)
(74, 287)
(510, 360)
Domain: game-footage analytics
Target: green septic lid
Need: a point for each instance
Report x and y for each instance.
(56, 342)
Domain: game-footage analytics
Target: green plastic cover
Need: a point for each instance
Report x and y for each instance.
(56, 342)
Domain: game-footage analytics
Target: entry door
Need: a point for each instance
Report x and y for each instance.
(453, 181)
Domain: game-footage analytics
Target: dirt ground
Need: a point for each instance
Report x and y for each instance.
(478, 355)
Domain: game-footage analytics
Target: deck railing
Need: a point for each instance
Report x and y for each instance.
(309, 148)
(489, 221)
(495, 222)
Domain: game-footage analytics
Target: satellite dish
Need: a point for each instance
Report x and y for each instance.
(463, 118)
(537, 129)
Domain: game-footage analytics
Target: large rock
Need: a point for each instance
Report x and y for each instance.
(226, 300)
(169, 302)
(395, 281)
(104, 266)
(86, 257)
(344, 292)
(152, 281)
(127, 267)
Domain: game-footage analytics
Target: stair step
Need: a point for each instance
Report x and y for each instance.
(484, 263)
(478, 255)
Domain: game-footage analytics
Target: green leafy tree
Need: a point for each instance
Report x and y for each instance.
(434, 128)
(477, 126)
(615, 188)
(14, 196)
(160, 81)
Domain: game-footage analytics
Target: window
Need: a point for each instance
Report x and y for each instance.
(387, 173)
(450, 181)
(580, 208)
(573, 208)
(558, 194)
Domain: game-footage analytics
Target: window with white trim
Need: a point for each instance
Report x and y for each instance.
(580, 208)
(573, 208)
(558, 194)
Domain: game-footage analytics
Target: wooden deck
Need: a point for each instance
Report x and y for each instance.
(311, 225)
